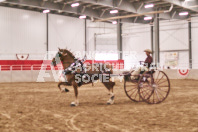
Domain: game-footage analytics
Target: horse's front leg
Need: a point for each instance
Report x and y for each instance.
(62, 89)
(76, 102)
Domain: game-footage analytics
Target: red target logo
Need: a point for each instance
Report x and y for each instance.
(183, 72)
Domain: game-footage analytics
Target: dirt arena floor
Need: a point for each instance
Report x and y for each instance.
(40, 107)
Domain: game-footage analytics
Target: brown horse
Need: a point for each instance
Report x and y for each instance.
(75, 75)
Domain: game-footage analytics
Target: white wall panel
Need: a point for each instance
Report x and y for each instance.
(106, 42)
(101, 36)
(173, 35)
(195, 42)
(102, 30)
(66, 32)
(136, 38)
(21, 31)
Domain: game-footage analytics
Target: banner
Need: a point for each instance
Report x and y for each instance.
(171, 59)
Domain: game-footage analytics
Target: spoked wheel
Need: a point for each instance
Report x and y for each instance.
(131, 89)
(154, 87)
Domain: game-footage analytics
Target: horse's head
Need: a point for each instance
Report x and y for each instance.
(63, 55)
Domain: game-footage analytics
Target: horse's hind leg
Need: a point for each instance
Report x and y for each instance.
(76, 102)
(109, 85)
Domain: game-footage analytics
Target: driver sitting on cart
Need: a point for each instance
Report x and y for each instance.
(145, 67)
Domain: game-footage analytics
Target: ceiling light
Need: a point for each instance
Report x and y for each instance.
(147, 18)
(25, 16)
(114, 22)
(113, 11)
(149, 6)
(183, 13)
(75, 4)
(46, 11)
(82, 17)
(2, 1)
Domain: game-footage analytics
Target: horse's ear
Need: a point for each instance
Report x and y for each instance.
(59, 49)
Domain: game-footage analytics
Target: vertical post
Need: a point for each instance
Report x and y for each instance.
(119, 39)
(152, 39)
(156, 28)
(47, 34)
(190, 44)
(95, 42)
(85, 36)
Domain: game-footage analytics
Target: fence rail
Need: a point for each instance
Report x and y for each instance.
(11, 65)
(28, 67)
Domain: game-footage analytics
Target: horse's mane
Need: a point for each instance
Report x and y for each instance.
(69, 53)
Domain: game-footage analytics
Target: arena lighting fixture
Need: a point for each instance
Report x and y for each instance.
(75, 4)
(149, 6)
(183, 13)
(82, 17)
(147, 18)
(114, 22)
(2, 1)
(46, 11)
(113, 11)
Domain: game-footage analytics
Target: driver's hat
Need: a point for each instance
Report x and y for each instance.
(148, 50)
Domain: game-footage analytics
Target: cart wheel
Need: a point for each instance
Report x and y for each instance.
(131, 88)
(154, 87)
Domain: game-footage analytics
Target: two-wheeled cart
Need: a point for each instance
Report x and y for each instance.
(151, 87)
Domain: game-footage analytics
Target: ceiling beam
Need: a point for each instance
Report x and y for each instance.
(56, 6)
(191, 5)
(66, 8)
(136, 15)
(125, 5)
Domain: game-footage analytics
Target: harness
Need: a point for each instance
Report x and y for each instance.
(72, 68)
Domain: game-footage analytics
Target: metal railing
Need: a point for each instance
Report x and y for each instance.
(29, 67)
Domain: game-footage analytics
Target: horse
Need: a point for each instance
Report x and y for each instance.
(77, 75)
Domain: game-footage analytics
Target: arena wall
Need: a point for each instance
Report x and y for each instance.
(66, 32)
(173, 37)
(39, 70)
(53, 75)
(136, 38)
(101, 37)
(21, 32)
(194, 42)
(28, 76)
(24, 31)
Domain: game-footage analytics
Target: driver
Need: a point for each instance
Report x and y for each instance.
(146, 66)
(149, 58)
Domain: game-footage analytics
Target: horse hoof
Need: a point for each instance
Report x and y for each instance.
(110, 102)
(73, 104)
(66, 90)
